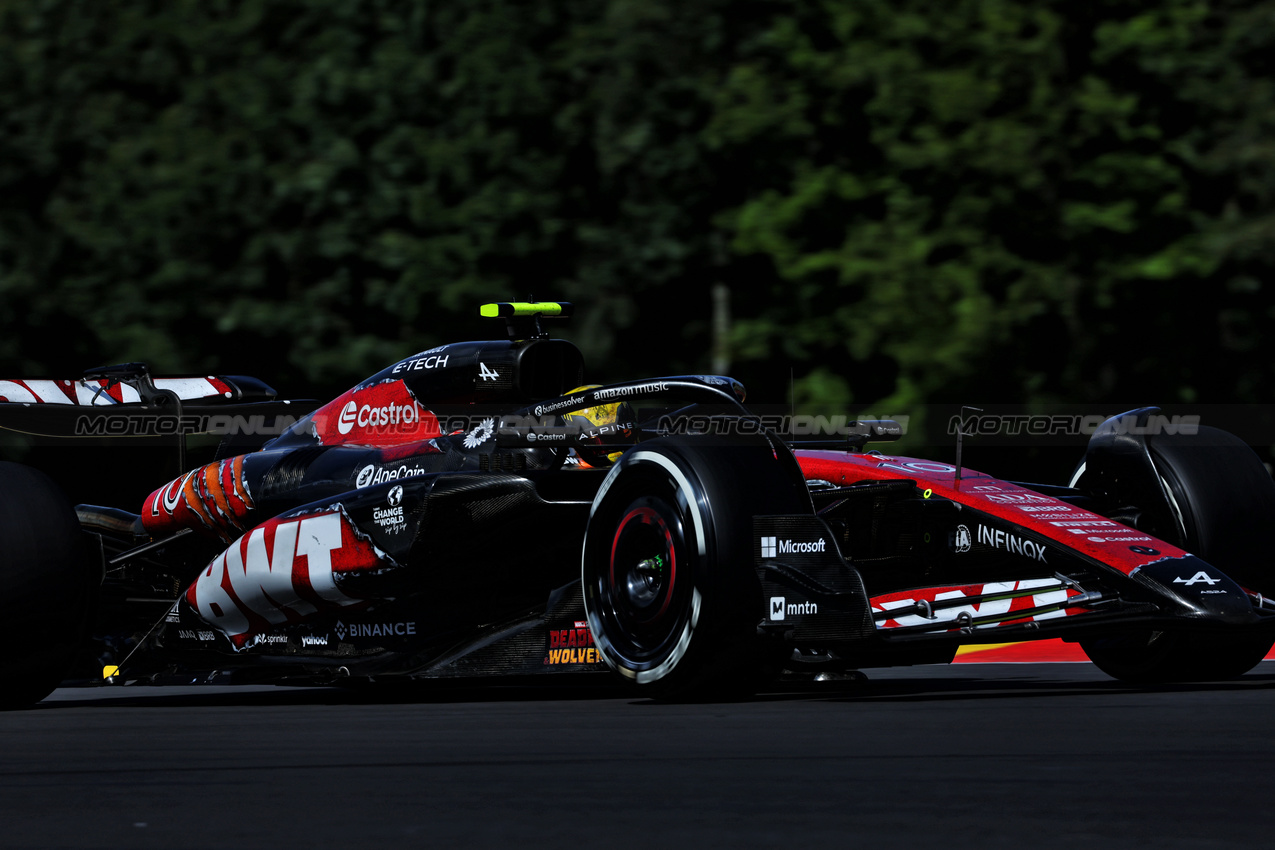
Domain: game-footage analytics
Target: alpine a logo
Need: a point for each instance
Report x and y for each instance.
(1200, 577)
(773, 547)
(369, 416)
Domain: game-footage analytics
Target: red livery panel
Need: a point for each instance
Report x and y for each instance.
(1116, 545)
(384, 414)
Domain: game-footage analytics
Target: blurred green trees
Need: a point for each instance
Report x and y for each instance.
(909, 202)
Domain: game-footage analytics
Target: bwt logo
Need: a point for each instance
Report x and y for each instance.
(772, 547)
(780, 608)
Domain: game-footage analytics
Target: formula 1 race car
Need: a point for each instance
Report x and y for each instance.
(475, 510)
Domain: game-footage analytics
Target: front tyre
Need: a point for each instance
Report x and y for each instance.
(1220, 500)
(669, 586)
(1158, 657)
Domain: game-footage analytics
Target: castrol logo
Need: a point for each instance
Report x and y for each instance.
(349, 414)
(384, 416)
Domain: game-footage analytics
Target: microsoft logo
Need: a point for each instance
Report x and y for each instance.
(768, 547)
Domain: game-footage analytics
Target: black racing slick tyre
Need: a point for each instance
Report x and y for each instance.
(48, 585)
(670, 590)
(1158, 657)
(1222, 503)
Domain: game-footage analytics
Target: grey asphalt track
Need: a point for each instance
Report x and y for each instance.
(996, 755)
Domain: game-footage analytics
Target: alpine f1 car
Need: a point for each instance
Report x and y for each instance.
(476, 511)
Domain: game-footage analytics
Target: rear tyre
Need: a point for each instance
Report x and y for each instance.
(669, 585)
(47, 585)
(1221, 499)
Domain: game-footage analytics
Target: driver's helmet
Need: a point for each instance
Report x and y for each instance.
(604, 425)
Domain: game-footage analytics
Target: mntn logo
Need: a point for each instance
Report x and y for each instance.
(768, 551)
(776, 602)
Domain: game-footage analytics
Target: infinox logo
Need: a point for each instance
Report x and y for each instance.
(366, 416)
(998, 539)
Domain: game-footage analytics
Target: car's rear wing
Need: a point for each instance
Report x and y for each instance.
(125, 405)
(131, 383)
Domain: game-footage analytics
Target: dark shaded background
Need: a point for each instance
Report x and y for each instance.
(908, 203)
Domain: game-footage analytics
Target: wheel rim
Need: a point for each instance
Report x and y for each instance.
(643, 566)
(641, 593)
